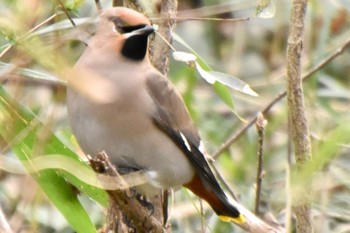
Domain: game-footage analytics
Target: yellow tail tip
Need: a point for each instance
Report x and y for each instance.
(239, 220)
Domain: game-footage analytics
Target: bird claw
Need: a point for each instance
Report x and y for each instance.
(144, 202)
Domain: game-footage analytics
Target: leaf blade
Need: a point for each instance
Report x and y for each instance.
(21, 129)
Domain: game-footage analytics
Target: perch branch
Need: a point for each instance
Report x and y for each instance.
(138, 217)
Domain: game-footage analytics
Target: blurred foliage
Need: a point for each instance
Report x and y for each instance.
(252, 50)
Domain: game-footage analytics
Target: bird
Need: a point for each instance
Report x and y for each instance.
(144, 124)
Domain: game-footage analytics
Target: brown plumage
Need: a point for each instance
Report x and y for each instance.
(144, 124)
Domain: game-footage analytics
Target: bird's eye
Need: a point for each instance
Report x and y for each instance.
(122, 27)
(118, 24)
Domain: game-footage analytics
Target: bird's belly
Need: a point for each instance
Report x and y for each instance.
(139, 145)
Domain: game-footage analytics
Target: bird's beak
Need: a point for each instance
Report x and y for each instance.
(146, 30)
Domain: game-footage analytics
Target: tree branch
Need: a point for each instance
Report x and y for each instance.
(260, 126)
(297, 112)
(161, 50)
(125, 211)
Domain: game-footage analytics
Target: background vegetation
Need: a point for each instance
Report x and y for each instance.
(38, 43)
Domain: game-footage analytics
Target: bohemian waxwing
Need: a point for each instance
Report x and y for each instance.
(145, 124)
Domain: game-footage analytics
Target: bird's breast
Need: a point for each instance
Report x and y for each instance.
(125, 131)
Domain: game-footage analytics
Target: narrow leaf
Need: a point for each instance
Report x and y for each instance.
(233, 82)
(184, 57)
(225, 94)
(266, 9)
(24, 134)
(30, 73)
(62, 25)
(207, 76)
(207, 73)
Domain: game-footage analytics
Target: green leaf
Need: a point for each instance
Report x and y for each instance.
(202, 63)
(28, 137)
(233, 82)
(72, 4)
(224, 94)
(30, 73)
(211, 76)
(266, 9)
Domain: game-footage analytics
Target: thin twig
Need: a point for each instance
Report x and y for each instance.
(5, 50)
(217, 9)
(27, 33)
(278, 98)
(98, 5)
(222, 180)
(165, 41)
(179, 19)
(260, 125)
(234, 137)
(66, 12)
(212, 19)
(41, 24)
(253, 224)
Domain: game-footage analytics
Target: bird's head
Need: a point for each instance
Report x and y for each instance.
(130, 30)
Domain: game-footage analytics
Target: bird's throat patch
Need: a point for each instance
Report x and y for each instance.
(135, 47)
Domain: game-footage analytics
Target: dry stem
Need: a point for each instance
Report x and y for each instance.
(297, 113)
(260, 125)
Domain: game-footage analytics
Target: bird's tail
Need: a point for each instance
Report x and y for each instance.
(217, 199)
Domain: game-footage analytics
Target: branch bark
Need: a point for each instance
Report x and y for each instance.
(297, 113)
(161, 50)
(260, 127)
(125, 211)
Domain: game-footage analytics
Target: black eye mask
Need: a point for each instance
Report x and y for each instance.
(121, 27)
(127, 29)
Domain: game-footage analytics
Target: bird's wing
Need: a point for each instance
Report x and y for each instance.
(173, 119)
(170, 106)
